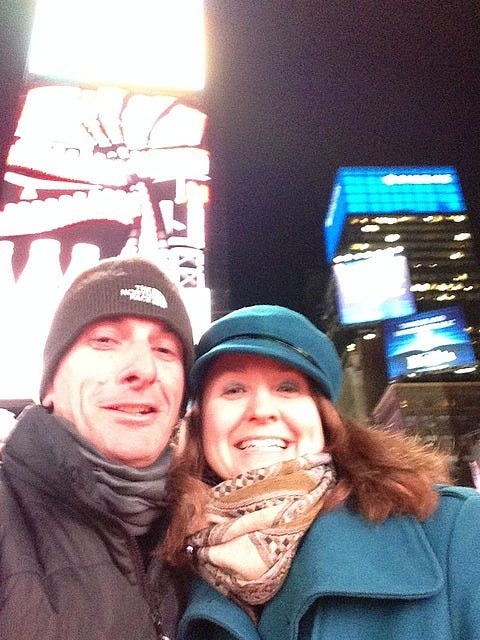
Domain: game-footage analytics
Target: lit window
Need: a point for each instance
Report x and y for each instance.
(359, 246)
(433, 219)
(445, 297)
(385, 220)
(426, 286)
(345, 257)
(370, 228)
(457, 255)
(465, 370)
(392, 237)
(459, 237)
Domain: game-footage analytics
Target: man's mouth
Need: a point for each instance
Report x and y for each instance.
(134, 409)
(262, 443)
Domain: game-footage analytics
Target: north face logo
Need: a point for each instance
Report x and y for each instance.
(143, 293)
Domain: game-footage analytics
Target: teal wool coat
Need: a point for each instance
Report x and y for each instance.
(352, 580)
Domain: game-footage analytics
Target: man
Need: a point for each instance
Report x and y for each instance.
(83, 497)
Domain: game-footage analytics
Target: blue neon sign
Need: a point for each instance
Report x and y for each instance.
(390, 190)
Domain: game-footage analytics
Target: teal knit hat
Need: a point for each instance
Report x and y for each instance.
(274, 332)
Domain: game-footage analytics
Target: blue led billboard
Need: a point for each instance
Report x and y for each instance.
(390, 190)
(429, 341)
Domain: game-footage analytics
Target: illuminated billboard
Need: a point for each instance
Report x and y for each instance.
(108, 158)
(134, 43)
(373, 288)
(430, 341)
(389, 190)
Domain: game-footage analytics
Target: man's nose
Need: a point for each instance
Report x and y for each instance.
(262, 405)
(139, 365)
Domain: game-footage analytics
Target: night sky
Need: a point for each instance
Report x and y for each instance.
(297, 89)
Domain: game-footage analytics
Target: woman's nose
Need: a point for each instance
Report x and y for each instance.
(139, 365)
(262, 405)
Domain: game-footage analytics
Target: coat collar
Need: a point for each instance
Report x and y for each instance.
(344, 555)
(341, 555)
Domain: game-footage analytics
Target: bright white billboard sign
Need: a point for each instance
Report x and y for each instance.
(136, 43)
(373, 288)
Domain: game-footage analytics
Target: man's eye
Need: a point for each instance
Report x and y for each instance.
(162, 349)
(167, 351)
(102, 341)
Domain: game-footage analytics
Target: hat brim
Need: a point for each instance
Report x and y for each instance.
(266, 348)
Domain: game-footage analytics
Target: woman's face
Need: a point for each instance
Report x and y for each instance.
(255, 412)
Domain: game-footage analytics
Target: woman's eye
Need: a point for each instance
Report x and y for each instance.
(233, 389)
(289, 387)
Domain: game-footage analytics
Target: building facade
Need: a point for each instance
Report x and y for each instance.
(399, 243)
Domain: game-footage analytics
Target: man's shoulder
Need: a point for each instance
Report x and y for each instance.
(10, 510)
(6, 495)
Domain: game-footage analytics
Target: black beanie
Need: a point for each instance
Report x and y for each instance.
(115, 287)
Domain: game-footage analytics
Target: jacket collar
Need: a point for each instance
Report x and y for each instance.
(344, 555)
(341, 555)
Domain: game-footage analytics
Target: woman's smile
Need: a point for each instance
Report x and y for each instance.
(256, 412)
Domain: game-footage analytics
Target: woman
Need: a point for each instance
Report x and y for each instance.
(300, 524)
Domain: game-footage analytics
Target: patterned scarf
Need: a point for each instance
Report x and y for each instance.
(256, 521)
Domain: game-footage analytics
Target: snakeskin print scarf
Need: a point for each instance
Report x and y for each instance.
(256, 521)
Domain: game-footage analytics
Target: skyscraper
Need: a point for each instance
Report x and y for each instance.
(400, 245)
(415, 212)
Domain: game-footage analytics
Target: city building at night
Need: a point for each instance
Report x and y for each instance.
(415, 216)
(403, 297)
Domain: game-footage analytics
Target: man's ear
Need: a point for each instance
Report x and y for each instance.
(47, 401)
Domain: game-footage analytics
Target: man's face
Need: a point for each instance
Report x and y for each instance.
(121, 385)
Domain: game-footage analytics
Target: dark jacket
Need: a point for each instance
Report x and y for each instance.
(352, 580)
(68, 569)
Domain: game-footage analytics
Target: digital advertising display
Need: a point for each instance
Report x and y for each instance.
(108, 159)
(134, 43)
(389, 190)
(373, 289)
(430, 341)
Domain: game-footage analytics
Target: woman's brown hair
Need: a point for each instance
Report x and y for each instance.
(380, 473)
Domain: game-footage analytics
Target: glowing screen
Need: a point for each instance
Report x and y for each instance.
(389, 190)
(428, 341)
(373, 289)
(138, 43)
